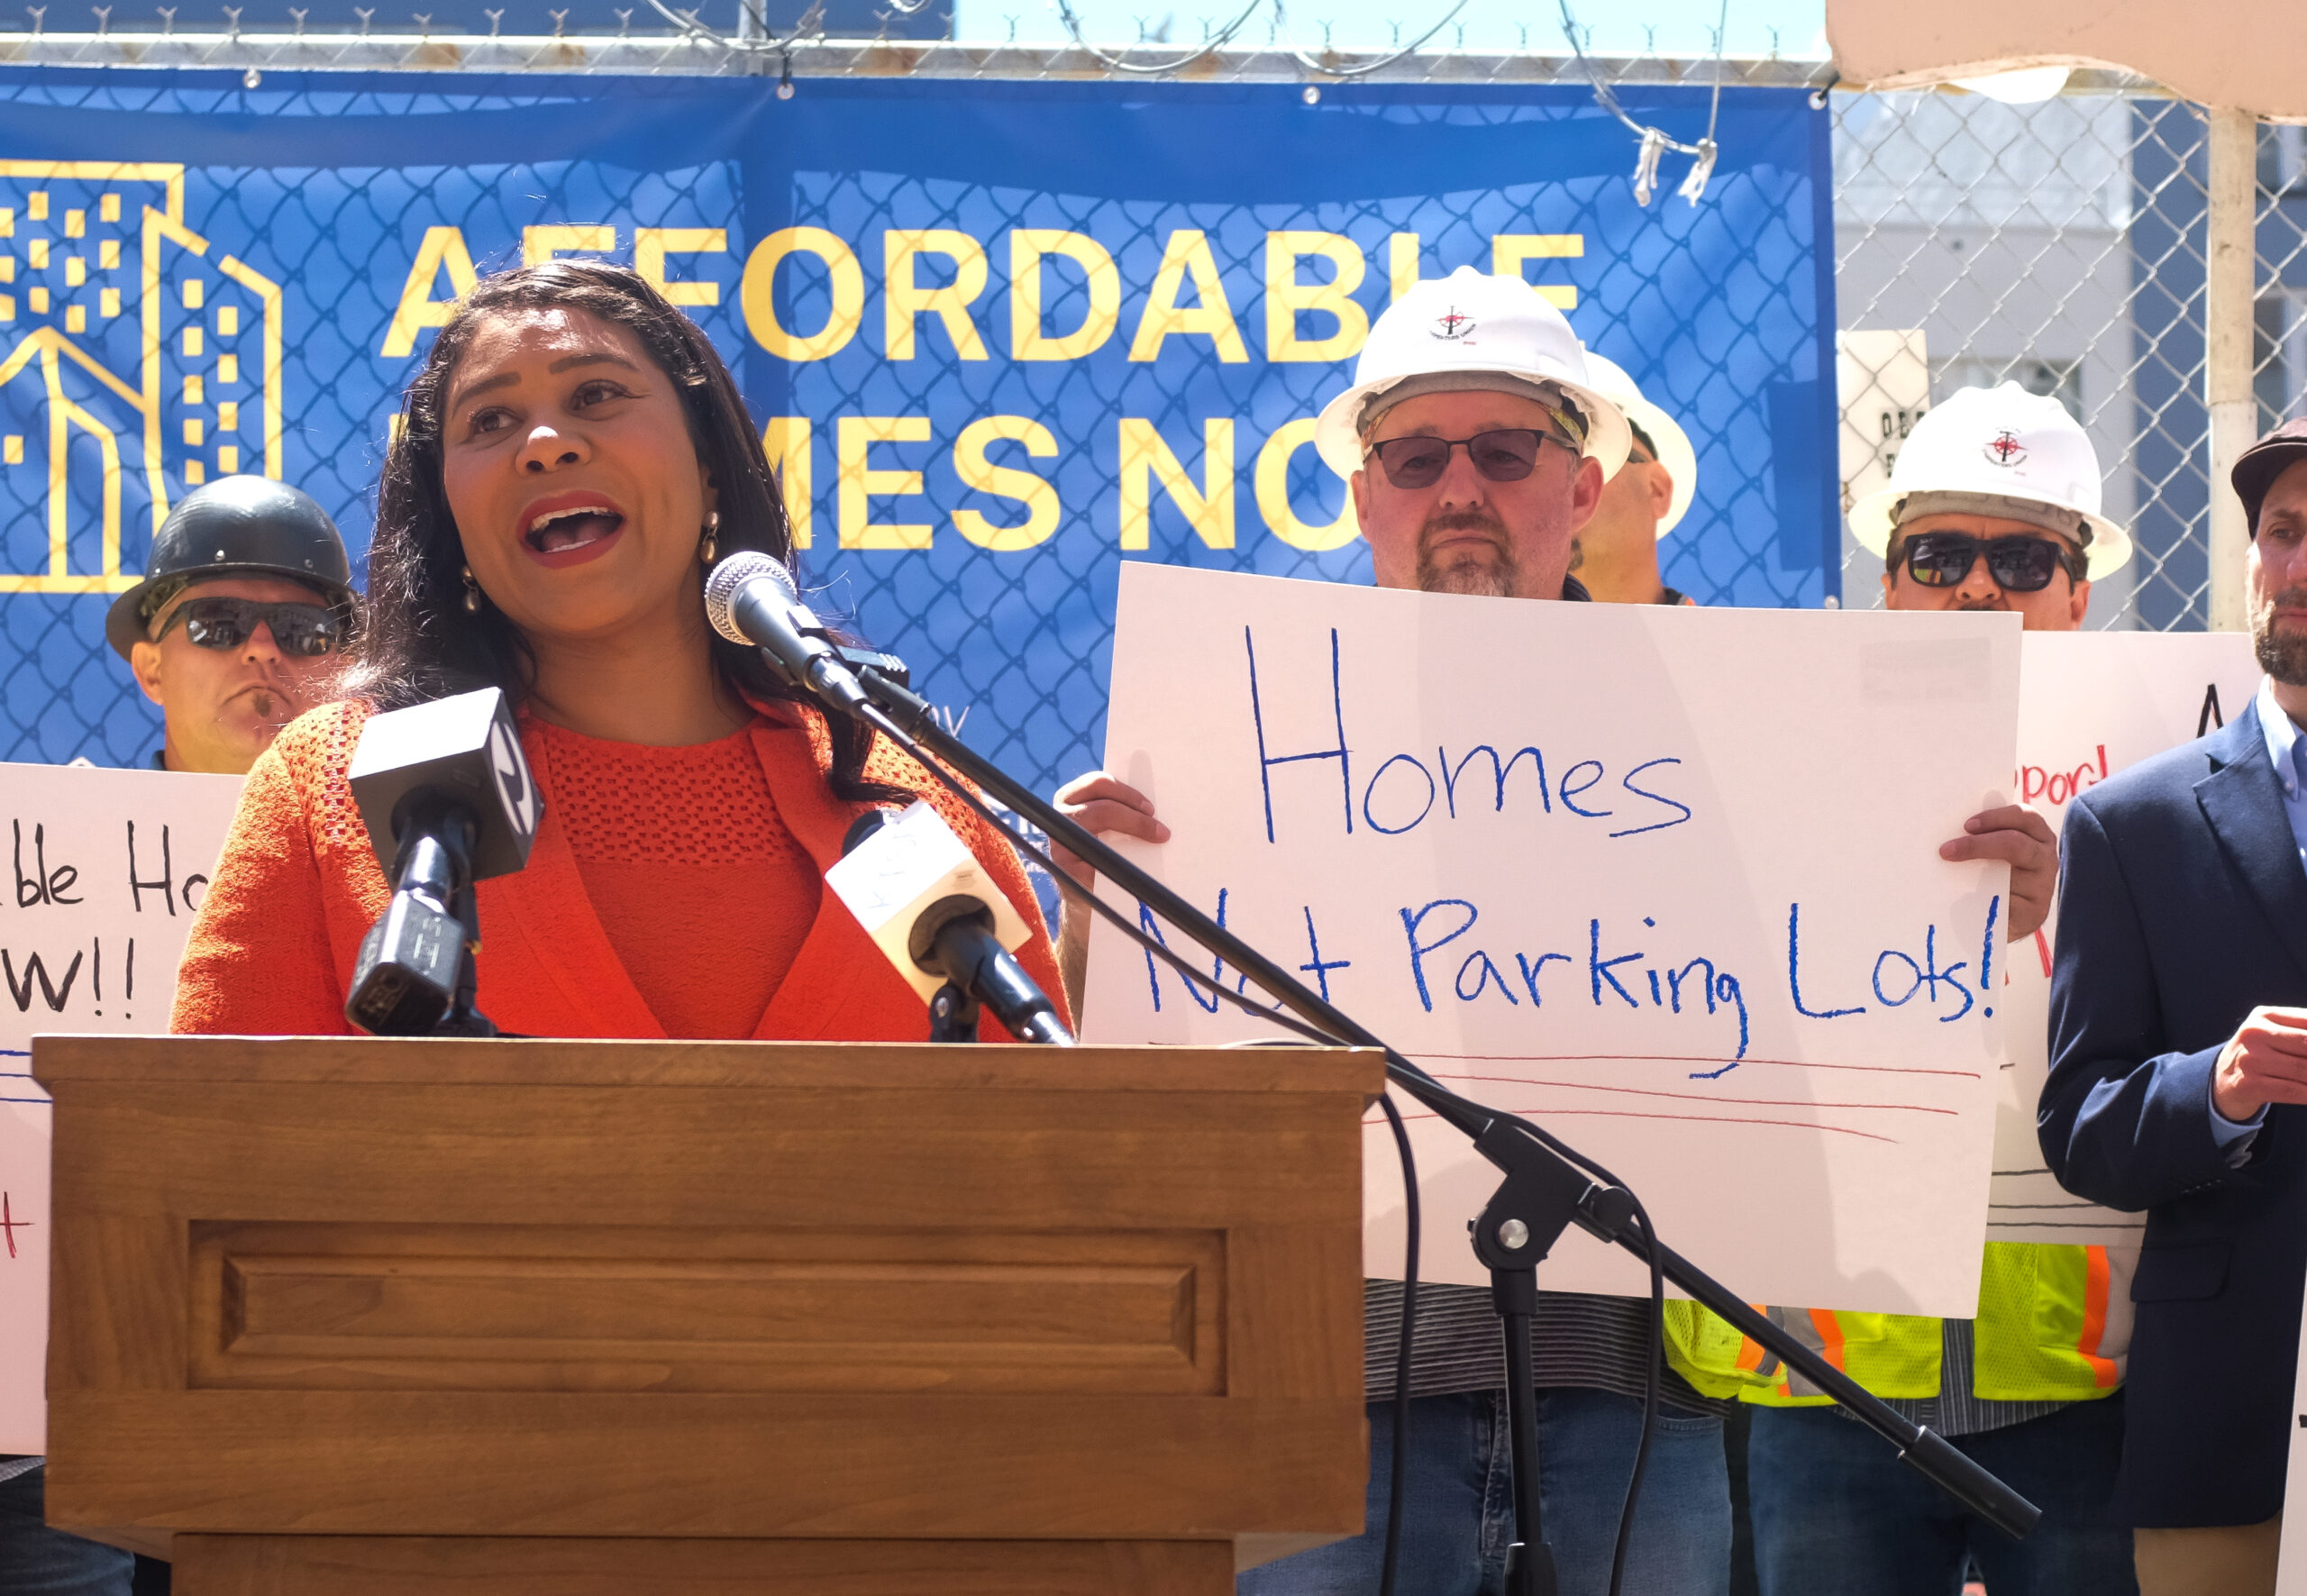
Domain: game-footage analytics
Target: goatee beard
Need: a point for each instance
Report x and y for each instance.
(2283, 656)
(1467, 572)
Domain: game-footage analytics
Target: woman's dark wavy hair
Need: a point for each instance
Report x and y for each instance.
(417, 642)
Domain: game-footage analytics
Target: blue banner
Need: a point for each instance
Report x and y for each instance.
(999, 336)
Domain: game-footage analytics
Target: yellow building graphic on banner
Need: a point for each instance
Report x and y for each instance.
(124, 338)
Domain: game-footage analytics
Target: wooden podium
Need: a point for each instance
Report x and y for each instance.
(624, 1318)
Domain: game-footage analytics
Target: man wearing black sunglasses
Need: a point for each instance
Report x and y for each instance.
(1967, 560)
(1993, 504)
(244, 608)
(233, 630)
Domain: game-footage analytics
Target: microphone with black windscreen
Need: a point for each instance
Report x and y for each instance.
(447, 797)
(931, 908)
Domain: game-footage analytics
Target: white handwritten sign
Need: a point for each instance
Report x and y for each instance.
(2090, 703)
(106, 868)
(1666, 880)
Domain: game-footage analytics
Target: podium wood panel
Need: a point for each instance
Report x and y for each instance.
(395, 1316)
(266, 1566)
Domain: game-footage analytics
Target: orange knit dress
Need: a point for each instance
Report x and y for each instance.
(672, 892)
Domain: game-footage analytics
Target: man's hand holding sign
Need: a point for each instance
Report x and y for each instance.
(2015, 835)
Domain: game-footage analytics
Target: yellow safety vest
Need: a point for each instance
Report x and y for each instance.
(2054, 1324)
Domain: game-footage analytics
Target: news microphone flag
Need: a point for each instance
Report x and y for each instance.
(468, 749)
(902, 871)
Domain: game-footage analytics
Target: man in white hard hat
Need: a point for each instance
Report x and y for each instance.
(1993, 505)
(1476, 445)
(1616, 554)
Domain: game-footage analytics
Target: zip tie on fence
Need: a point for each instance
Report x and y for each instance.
(1281, 21)
(1367, 67)
(1118, 64)
(1655, 141)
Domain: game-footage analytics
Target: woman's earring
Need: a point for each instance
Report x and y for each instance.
(710, 549)
(472, 590)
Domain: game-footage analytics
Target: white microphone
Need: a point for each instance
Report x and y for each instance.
(750, 598)
(936, 914)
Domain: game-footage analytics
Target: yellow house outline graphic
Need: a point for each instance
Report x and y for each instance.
(161, 230)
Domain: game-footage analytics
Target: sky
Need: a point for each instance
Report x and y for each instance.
(1793, 28)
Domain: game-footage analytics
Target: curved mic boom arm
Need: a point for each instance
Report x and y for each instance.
(1547, 1185)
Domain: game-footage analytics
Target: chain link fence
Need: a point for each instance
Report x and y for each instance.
(2058, 244)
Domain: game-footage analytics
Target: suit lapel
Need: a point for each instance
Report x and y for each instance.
(839, 978)
(2242, 802)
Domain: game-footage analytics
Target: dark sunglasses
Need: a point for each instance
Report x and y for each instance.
(2021, 564)
(225, 623)
(1508, 455)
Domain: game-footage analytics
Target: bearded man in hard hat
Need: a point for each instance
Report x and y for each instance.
(243, 609)
(1993, 505)
(1476, 446)
(1615, 556)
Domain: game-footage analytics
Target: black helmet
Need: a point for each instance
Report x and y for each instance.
(236, 525)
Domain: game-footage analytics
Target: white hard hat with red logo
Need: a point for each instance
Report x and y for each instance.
(1668, 442)
(1466, 332)
(2000, 452)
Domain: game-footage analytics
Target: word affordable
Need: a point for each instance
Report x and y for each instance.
(1667, 880)
(107, 868)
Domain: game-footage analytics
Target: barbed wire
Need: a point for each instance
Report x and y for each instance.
(2057, 244)
(1367, 69)
(1154, 69)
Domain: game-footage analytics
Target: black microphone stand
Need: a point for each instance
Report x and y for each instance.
(953, 1015)
(400, 987)
(1544, 1192)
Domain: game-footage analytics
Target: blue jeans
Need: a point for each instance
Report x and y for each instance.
(1836, 1513)
(1458, 1503)
(37, 1561)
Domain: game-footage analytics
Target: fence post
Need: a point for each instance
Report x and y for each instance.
(2229, 325)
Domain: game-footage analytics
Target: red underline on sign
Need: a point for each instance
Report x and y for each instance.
(1553, 1113)
(1676, 1058)
(1702, 1097)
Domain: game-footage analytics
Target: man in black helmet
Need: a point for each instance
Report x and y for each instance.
(243, 608)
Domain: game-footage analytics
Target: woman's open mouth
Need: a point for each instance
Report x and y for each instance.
(569, 528)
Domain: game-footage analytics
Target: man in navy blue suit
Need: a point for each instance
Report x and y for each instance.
(2178, 1073)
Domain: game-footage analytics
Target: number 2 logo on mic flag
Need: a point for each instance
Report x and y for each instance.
(512, 771)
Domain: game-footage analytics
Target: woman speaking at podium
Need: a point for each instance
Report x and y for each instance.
(570, 460)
